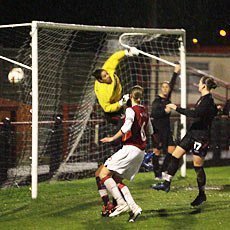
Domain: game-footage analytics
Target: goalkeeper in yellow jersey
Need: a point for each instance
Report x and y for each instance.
(108, 87)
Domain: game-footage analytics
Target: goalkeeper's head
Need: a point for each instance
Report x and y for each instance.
(102, 76)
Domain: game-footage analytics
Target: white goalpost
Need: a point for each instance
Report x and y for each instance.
(35, 101)
(58, 122)
(183, 100)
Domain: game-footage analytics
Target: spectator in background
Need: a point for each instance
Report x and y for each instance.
(226, 109)
(221, 131)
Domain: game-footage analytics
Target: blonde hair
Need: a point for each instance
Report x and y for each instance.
(137, 93)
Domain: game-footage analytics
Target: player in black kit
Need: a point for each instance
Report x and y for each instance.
(196, 138)
(162, 137)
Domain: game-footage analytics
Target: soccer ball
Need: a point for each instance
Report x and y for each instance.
(15, 75)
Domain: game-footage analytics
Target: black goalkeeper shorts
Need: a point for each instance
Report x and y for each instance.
(195, 141)
(163, 140)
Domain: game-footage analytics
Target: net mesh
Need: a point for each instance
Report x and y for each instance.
(71, 122)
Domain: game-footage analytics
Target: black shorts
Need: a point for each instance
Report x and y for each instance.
(163, 140)
(196, 142)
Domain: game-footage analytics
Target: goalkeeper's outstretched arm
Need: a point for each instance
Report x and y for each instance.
(173, 79)
(107, 86)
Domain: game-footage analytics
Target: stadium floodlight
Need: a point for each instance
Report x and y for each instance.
(194, 40)
(59, 121)
(222, 33)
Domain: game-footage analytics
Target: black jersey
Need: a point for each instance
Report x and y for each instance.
(203, 114)
(161, 119)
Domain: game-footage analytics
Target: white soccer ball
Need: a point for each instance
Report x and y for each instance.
(15, 75)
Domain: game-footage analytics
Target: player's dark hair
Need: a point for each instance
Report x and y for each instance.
(97, 73)
(209, 82)
(137, 93)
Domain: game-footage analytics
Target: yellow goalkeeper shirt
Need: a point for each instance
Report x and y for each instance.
(108, 95)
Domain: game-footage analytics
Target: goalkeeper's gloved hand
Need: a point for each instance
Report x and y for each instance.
(124, 100)
(133, 51)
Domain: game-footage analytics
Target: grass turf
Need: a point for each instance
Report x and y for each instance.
(76, 205)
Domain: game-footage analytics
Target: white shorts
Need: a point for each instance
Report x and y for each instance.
(126, 162)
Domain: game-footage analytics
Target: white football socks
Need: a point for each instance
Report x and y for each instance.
(103, 192)
(113, 189)
(129, 199)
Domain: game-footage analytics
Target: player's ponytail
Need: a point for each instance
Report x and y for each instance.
(209, 82)
(137, 93)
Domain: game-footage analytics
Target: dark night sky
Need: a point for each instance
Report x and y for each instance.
(200, 18)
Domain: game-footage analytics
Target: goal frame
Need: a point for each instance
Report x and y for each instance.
(35, 25)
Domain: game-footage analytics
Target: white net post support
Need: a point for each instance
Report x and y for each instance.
(34, 166)
(183, 98)
(142, 52)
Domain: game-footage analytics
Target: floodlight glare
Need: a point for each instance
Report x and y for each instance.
(195, 41)
(222, 33)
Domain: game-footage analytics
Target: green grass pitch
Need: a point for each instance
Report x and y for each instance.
(76, 205)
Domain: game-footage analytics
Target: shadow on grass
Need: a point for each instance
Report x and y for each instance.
(184, 217)
(180, 216)
(165, 213)
(69, 211)
(226, 188)
(10, 214)
(183, 211)
(108, 223)
(87, 219)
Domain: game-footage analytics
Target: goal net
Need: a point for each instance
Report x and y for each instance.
(51, 118)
